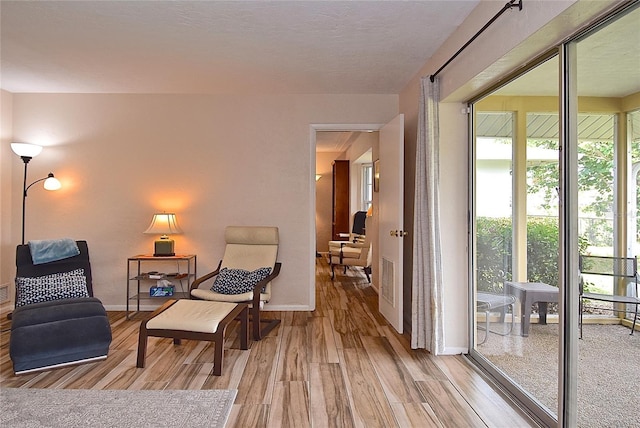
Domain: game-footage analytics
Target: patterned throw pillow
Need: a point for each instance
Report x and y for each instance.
(238, 281)
(67, 285)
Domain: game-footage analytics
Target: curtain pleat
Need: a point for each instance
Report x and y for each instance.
(427, 330)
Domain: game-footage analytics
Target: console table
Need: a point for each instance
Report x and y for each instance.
(528, 293)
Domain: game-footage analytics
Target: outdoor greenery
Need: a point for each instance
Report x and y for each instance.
(595, 180)
(494, 251)
(595, 177)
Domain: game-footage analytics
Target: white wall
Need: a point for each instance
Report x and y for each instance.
(7, 250)
(214, 160)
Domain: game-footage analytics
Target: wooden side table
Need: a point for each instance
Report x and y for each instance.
(528, 293)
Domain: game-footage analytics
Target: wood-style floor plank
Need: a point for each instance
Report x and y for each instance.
(321, 341)
(330, 401)
(290, 406)
(399, 386)
(449, 407)
(490, 404)
(258, 378)
(415, 415)
(249, 415)
(370, 405)
(340, 366)
(294, 364)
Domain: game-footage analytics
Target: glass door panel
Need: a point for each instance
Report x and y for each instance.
(608, 155)
(516, 235)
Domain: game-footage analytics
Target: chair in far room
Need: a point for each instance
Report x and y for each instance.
(356, 254)
(357, 231)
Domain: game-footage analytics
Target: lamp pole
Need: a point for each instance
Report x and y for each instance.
(26, 188)
(26, 160)
(26, 152)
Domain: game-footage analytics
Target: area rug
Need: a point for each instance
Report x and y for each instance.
(69, 408)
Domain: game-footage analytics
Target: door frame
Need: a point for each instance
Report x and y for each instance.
(313, 129)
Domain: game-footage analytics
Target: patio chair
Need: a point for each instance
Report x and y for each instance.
(491, 302)
(625, 268)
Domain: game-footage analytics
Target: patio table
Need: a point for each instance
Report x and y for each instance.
(528, 293)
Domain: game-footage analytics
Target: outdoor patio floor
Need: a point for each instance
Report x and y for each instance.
(608, 370)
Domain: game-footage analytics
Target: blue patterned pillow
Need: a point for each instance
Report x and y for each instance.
(67, 285)
(238, 281)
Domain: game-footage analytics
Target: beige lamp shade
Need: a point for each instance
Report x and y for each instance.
(163, 224)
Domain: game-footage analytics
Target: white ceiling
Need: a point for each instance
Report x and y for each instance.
(283, 47)
(608, 64)
(342, 47)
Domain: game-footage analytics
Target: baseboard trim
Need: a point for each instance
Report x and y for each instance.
(455, 350)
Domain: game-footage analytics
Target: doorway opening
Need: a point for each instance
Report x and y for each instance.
(354, 147)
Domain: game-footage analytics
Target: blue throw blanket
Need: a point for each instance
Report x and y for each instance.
(46, 251)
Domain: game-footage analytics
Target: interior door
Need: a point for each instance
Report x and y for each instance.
(391, 229)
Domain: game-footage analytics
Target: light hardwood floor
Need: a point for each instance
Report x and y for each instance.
(341, 365)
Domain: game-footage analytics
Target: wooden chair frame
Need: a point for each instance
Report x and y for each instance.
(254, 310)
(240, 311)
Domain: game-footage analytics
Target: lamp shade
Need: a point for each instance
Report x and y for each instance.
(52, 183)
(163, 224)
(26, 149)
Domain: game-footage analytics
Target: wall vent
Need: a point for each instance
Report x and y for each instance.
(4, 293)
(388, 289)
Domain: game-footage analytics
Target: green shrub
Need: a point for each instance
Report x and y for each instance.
(494, 251)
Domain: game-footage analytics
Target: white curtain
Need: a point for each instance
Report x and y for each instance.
(426, 306)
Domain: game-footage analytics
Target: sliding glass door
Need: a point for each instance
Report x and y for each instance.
(555, 159)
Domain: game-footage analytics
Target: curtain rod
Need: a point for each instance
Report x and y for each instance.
(510, 5)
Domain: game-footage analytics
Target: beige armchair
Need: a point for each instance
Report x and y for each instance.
(357, 231)
(245, 273)
(352, 254)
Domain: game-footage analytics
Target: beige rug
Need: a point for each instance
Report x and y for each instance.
(70, 408)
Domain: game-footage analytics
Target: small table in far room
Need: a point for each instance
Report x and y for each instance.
(528, 293)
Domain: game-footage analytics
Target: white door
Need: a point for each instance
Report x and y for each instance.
(390, 223)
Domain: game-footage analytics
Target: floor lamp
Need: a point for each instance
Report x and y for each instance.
(26, 152)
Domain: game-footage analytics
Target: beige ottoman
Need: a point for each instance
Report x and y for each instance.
(195, 320)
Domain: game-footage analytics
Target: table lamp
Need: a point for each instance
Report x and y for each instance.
(163, 224)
